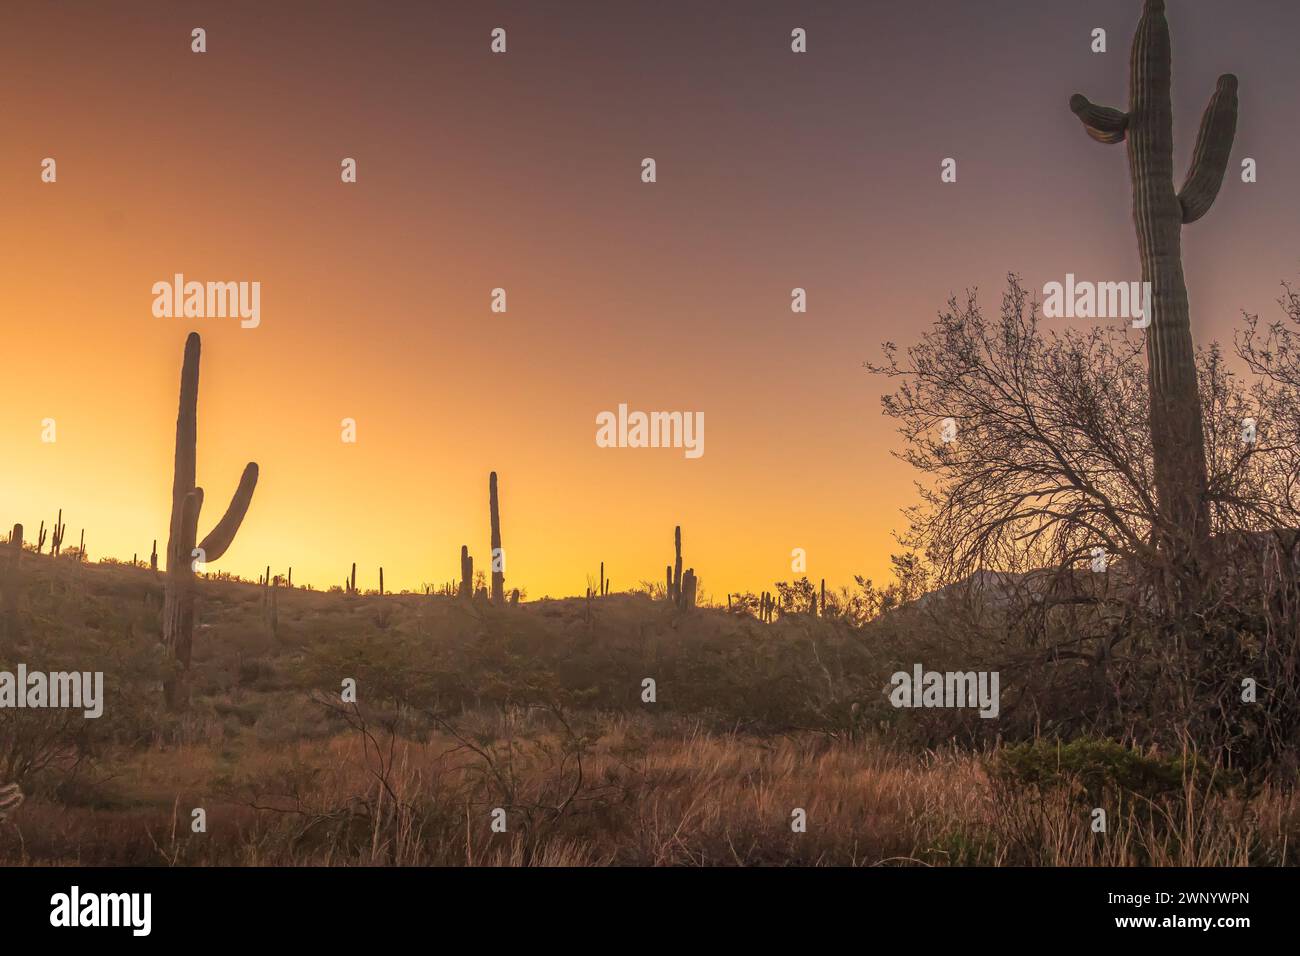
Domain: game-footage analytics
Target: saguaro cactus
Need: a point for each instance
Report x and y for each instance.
(498, 557)
(466, 573)
(153, 557)
(675, 572)
(687, 601)
(273, 614)
(10, 581)
(56, 539)
(187, 501)
(1177, 435)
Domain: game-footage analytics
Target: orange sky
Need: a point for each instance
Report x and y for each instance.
(522, 171)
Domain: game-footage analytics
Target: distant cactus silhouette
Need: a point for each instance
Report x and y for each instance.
(497, 557)
(10, 581)
(273, 610)
(56, 539)
(11, 799)
(466, 573)
(675, 570)
(677, 565)
(187, 502)
(1177, 434)
(687, 601)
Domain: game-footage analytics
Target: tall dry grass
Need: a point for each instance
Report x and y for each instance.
(648, 792)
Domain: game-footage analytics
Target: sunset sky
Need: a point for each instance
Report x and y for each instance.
(522, 171)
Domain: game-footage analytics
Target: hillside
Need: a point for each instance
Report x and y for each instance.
(535, 718)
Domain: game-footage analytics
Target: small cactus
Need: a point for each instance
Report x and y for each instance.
(275, 607)
(496, 556)
(677, 566)
(466, 573)
(56, 539)
(688, 590)
(11, 582)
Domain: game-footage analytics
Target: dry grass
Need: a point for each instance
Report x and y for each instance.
(651, 793)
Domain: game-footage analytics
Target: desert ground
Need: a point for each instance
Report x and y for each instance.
(487, 734)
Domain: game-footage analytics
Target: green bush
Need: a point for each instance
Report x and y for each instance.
(1100, 765)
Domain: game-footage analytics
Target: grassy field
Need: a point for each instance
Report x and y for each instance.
(486, 735)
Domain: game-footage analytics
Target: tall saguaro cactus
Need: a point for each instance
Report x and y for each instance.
(182, 554)
(498, 556)
(1177, 435)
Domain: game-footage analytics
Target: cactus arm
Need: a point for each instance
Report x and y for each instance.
(1213, 146)
(220, 537)
(1104, 124)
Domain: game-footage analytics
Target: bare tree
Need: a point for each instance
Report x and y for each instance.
(1036, 455)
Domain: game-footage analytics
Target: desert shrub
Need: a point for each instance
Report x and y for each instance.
(1096, 766)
